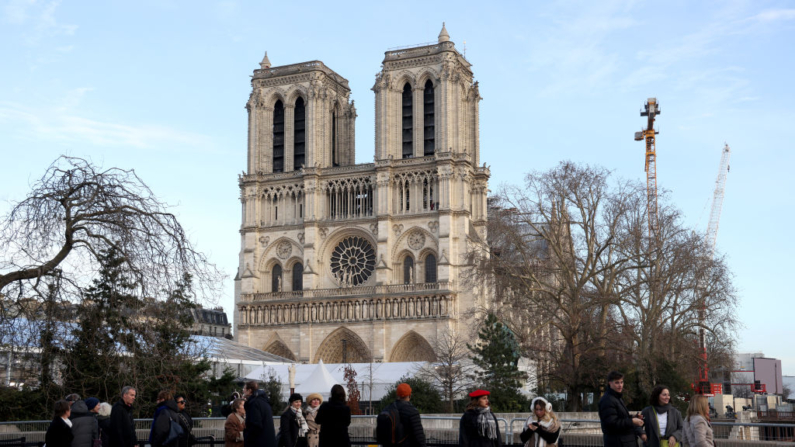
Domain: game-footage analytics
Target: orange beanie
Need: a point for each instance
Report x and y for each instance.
(403, 390)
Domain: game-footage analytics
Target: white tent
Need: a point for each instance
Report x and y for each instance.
(383, 375)
(320, 381)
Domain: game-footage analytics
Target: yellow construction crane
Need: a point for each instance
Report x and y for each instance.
(652, 109)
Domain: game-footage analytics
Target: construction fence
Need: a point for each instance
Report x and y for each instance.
(439, 431)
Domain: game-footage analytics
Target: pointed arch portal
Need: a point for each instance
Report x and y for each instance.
(343, 339)
(280, 349)
(412, 347)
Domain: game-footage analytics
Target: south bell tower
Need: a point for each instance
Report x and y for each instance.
(358, 262)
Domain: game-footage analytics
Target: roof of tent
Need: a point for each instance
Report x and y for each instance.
(319, 381)
(384, 375)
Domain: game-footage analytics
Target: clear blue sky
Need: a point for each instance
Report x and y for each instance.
(161, 87)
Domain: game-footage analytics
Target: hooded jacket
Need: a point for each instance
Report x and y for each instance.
(161, 424)
(84, 425)
(259, 431)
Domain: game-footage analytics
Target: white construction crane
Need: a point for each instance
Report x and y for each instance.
(702, 386)
(717, 199)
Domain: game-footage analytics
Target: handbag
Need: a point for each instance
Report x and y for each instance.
(97, 442)
(174, 432)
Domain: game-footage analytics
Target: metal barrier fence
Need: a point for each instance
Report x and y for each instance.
(439, 431)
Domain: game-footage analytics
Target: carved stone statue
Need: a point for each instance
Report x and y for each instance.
(291, 371)
(278, 283)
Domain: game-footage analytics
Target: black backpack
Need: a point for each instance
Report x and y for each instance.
(389, 430)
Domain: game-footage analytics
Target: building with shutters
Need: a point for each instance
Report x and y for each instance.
(350, 262)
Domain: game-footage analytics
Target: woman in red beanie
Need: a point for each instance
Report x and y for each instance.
(479, 427)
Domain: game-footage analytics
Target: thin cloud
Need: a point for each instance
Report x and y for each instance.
(773, 15)
(62, 125)
(38, 20)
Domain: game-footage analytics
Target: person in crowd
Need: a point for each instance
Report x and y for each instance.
(697, 428)
(259, 430)
(663, 422)
(293, 427)
(72, 398)
(619, 428)
(103, 421)
(235, 424)
(409, 418)
(122, 424)
(313, 436)
(478, 426)
(335, 417)
(59, 434)
(92, 403)
(185, 421)
(165, 412)
(543, 426)
(84, 425)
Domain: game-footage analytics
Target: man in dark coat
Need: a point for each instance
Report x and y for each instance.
(619, 428)
(259, 431)
(122, 423)
(409, 418)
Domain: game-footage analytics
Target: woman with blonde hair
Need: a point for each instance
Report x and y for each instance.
(235, 424)
(697, 430)
(542, 427)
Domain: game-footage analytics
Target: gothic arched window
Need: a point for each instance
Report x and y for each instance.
(276, 278)
(430, 268)
(299, 135)
(427, 108)
(298, 276)
(335, 159)
(408, 122)
(408, 270)
(278, 137)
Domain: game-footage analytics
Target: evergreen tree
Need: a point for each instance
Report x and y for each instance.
(424, 396)
(497, 357)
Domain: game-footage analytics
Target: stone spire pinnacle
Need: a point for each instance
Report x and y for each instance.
(266, 63)
(443, 36)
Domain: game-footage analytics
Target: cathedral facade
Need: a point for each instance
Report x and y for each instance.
(350, 262)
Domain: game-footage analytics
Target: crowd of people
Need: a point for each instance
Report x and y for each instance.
(89, 423)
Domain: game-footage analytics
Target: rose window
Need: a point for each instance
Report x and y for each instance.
(352, 261)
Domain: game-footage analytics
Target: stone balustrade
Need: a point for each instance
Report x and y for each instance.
(348, 292)
(351, 309)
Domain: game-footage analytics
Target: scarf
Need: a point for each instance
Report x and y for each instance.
(68, 422)
(548, 423)
(299, 418)
(312, 410)
(660, 409)
(487, 426)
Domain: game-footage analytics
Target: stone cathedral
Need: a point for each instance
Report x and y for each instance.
(350, 262)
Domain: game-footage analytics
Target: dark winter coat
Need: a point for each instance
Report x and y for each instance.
(122, 426)
(161, 424)
(186, 422)
(412, 425)
(288, 430)
(617, 427)
(84, 425)
(334, 419)
(59, 434)
(652, 427)
(468, 434)
(104, 430)
(259, 430)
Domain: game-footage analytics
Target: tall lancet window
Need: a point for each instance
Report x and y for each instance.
(408, 270)
(276, 278)
(298, 276)
(335, 158)
(427, 107)
(430, 268)
(408, 122)
(278, 137)
(299, 135)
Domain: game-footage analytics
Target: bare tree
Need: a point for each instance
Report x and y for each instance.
(77, 210)
(453, 370)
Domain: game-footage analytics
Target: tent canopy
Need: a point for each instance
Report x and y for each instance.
(319, 381)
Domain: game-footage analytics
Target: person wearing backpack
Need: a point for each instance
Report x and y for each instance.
(399, 424)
